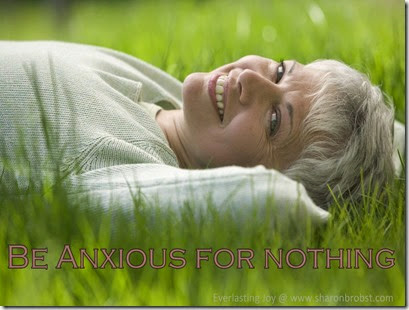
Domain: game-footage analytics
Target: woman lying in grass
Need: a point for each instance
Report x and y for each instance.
(79, 109)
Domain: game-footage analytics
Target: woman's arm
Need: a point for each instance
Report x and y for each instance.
(230, 187)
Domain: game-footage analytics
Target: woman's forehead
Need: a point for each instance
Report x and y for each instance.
(303, 76)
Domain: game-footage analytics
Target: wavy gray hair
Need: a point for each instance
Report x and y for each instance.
(347, 133)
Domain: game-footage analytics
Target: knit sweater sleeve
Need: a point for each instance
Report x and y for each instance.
(76, 108)
(231, 188)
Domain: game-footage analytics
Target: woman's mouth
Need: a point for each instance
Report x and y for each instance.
(216, 92)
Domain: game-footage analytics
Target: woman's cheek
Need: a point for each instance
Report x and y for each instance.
(244, 126)
(242, 138)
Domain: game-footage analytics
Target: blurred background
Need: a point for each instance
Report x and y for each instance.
(193, 35)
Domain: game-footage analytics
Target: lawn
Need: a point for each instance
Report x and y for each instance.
(182, 37)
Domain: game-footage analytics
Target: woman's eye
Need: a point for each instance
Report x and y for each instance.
(280, 71)
(274, 123)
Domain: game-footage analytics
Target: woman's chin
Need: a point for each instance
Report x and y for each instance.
(193, 88)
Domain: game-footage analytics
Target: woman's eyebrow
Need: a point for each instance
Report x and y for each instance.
(292, 67)
(290, 112)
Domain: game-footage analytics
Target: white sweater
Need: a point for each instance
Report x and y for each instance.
(80, 108)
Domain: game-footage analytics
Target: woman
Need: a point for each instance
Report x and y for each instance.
(77, 109)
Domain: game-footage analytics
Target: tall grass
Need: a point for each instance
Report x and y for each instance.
(183, 37)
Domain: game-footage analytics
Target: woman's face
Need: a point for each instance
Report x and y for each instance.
(247, 113)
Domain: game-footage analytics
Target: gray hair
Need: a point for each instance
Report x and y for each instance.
(347, 137)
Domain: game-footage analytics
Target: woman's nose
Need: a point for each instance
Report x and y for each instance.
(257, 88)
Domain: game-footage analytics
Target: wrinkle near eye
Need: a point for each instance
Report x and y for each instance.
(264, 151)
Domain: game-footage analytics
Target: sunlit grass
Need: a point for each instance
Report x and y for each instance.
(183, 37)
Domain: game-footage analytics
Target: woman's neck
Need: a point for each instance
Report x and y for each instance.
(171, 122)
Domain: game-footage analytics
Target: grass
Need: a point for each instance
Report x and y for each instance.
(183, 37)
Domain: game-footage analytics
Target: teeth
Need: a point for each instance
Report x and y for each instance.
(221, 80)
(219, 94)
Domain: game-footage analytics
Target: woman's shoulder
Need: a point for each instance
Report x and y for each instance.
(68, 52)
(75, 59)
(42, 56)
(31, 49)
(35, 45)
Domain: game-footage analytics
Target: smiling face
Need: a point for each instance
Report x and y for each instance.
(247, 113)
